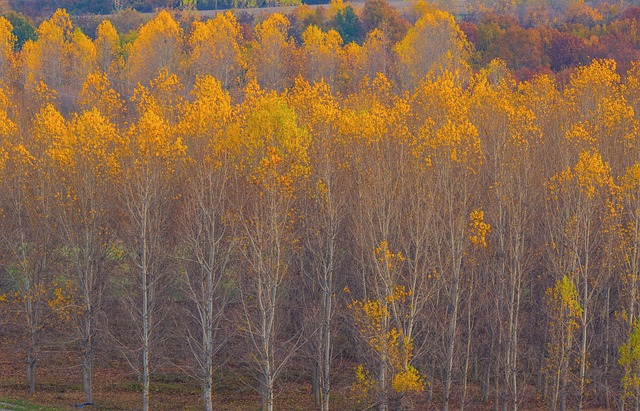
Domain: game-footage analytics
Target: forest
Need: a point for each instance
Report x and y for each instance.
(348, 207)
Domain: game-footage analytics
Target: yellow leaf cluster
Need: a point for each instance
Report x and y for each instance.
(421, 55)
(156, 48)
(478, 229)
(215, 49)
(590, 176)
(389, 260)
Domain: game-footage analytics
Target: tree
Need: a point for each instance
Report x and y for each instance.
(7, 42)
(98, 94)
(324, 212)
(322, 52)
(23, 28)
(85, 168)
(566, 311)
(510, 142)
(107, 45)
(27, 234)
(206, 223)
(433, 45)
(45, 60)
(378, 14)
(151, 163)
(448, 143)
(215, 49)
(374, 56)
(581, 201)
(271, 53)
(273, 161)
(347, 24)
(157, 47)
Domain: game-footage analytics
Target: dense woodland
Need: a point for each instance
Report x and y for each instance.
(396, 210)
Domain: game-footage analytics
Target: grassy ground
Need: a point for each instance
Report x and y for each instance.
(115, 388)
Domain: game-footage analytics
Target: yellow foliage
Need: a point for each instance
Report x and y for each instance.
(272, 148)
(393, 347)
(478, 229)
(204, 121)
(408, 381)
(420, 56)
(271, 52)
(364, 386)
(156, 48)
(7, 126)
(590, 176)
(97, 93)
(62, 302)
(47, 60)
(153, 140)
(215, 48)
(630, 360)
(388, 259)
(7, 41)
(322, 52)
(107, 45)
(334, 7)
(591, 83)
(83, 57)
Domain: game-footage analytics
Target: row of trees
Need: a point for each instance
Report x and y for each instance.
(41, 8)
(531, 42)
(62, 56)
(319, 41)
(178, 199)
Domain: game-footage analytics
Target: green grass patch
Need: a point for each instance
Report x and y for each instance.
(21, 405)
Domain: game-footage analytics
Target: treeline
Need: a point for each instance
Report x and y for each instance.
(531, 38)
(230, 198)
(41, 8)
(538, 43)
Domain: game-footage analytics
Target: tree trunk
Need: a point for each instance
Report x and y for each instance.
(326, 365)
(583, 345)
(87, 372)
(208, 342)
(146, 315)
(453, 322)
(87, 360)
(383, 400)
(467, 355)
(266, 389)
(31, 367)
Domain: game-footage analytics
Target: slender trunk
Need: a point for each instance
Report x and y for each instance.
(33, 335)
(266, 389)
(316, 381)
(208, 393)
(583, 345)
(453, 322)
(485, 381)
(563, 381)
(383, 404)
(208, 343)
(515, 338)
(31, 366)
(326, 366)
(496, 403)
(87, 362)
(146, 320)
(208, 361)
(556, 390)
(606, 349)
(466, 360)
